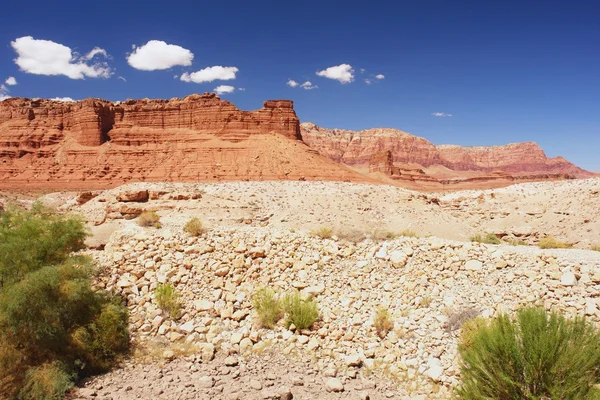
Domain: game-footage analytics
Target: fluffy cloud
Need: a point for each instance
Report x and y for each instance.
(210, 74)
(441, 114)
(308, 86)
(368, 81)
(292, 83)
(380, 76)
(224, 89)
(156, 55)
(45, 57)
(4, 93)
(64, 99)
(11, 81)
(342, 73)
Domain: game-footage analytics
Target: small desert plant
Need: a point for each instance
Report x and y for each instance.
(425, 301)
(167, 299)
(408, 233)
(149, 218)
(268, 307)
(516, 242)
(194, 227)
(48, 381)
(323, 232)
(595, 248)
(488, 238)
(351, 235)
(384, 235)
(536, 355)
(551, 243)
(383, 322)
(303, 313)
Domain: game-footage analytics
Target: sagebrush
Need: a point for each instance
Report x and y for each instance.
(551, 243)
(383, 322)
(54, 328)
(149, 218)
(267, 306)
(487, 238)
(168, 299)
(194, 227)
(536, 355)
(302, 312)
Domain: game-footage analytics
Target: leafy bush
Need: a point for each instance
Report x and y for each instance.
(323, 232)
(194, 227)
(551, 243)
(303, 313)
(46, 302)
(149, 218)
(48, 382)
(383, 322)
(537, 355)
(488, 238)
(267, 306)
(167, 299)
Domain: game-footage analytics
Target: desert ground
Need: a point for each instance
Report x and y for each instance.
(409, 252)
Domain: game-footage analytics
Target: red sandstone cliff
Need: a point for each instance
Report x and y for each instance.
(402, 156)
(96, 143)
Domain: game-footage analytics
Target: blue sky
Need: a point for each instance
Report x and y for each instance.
(507, 71)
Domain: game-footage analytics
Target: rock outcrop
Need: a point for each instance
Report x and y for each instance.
(96, 143)
(402, 156)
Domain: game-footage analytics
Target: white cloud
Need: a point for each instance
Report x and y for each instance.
(308, 86)
(441, 114)
(157, 55)
(292, 83)
(242, 89)
(362, 70)
(380, 76)
(342, 73)
(368, 81)
(63, 99)
(224, 89)
(4, 93)
(11, 81)
(95, 51)
(121, 78)
(45, 57)
(210, 74)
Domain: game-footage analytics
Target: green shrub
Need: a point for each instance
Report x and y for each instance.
(149, 218)
(383, 322)
(267, 307)
(167, 299)
(488, 238)
(46, 301)
(303, 313)
(47, 382)
(194, 227)
(323, 232)
(551, 243)
(537, 355)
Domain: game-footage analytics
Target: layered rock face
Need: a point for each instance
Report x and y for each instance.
(401, 155)
(97, 143)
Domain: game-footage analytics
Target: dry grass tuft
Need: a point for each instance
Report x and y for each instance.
(149, 218)
(551, 243)
(383, 322)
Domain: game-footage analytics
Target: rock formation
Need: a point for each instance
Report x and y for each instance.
(97, 143)
(402, 156)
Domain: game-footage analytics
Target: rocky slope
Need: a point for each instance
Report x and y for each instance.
(430, 286)
(96, 143)
(404, 157)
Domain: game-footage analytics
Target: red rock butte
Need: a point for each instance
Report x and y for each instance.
(96, 143)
